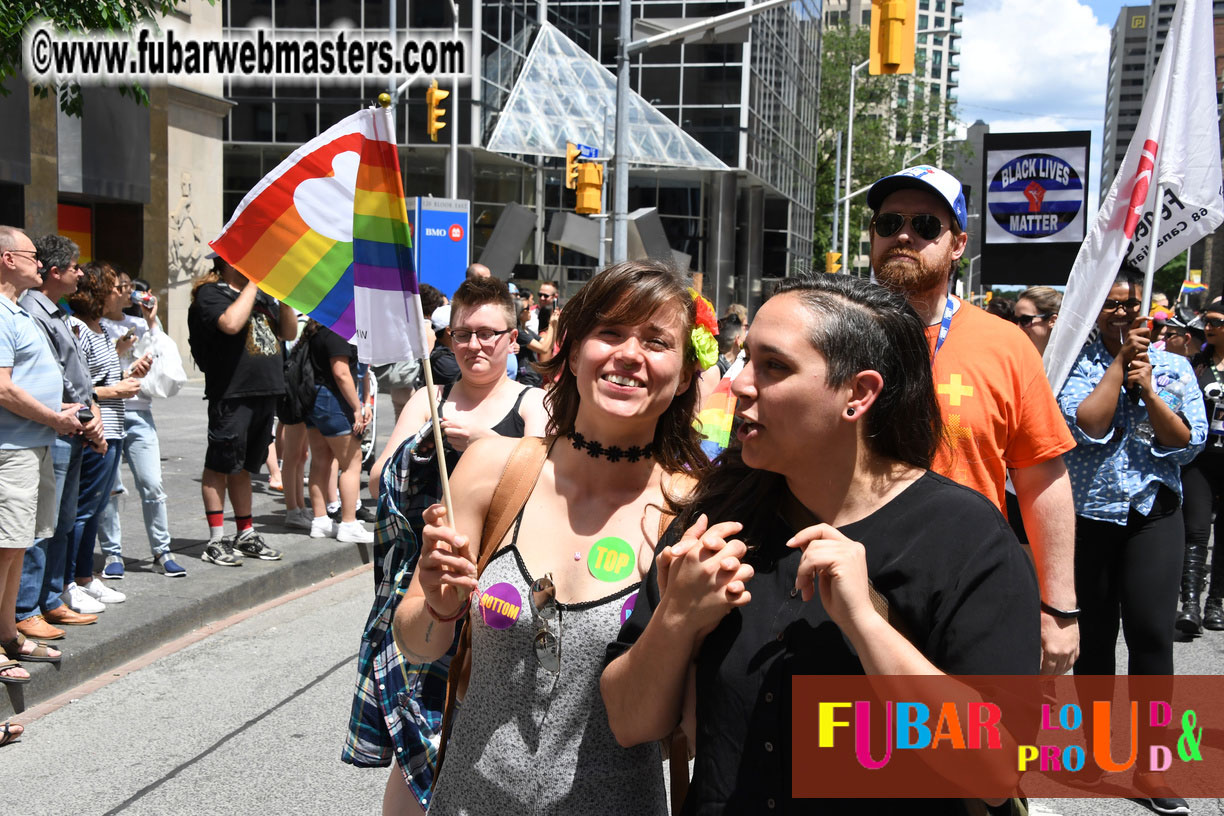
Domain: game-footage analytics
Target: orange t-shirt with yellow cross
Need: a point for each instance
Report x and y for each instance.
(997, 407)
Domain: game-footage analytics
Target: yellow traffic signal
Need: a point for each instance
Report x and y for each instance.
(571, 165)
(831, 262)
(590, 187)
(432, 97)
(892, 36)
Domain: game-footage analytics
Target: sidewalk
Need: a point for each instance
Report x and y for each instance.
(159, 609)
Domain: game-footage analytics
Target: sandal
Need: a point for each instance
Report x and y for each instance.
(41, 653)
(8, 678)
(7, 735)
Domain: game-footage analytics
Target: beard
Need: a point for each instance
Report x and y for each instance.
(908, 272)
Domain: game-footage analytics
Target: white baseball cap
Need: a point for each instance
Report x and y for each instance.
(440, 319)
(922, 177)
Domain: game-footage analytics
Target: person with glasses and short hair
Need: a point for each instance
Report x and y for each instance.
(482, 402)
(1138, 416)
(1036, 312)
(532, 734)
(997, 405)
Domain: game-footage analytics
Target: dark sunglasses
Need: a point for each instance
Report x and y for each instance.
(1214, 322)
(927, 226)
(547, 647)
(1112, 305)
(1024, 321)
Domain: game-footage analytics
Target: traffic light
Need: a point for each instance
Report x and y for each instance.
(892, 36)
(831, 262)
(590, 187)
(571, 165)
(432, 97)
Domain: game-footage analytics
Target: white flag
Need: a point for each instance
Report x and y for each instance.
(1176, 146)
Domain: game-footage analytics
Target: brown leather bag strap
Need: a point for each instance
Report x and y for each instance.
(518, 479)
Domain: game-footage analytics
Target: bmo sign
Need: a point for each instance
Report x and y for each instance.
(440, 241)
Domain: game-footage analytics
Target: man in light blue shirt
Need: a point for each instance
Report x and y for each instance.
(31, 414)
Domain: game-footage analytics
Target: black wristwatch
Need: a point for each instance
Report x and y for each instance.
(1065, 614)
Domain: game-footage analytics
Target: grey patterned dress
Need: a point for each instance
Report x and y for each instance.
(528, 741)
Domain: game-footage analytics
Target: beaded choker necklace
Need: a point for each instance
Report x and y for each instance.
(613, 453)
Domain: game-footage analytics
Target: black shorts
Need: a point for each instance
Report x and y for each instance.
(239, 433)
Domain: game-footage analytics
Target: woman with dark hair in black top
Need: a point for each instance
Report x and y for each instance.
(766, 574)
(1203, 489)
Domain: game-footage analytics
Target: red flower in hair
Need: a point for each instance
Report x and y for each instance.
(705, 313)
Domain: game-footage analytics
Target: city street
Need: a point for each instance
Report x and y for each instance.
(216, 693)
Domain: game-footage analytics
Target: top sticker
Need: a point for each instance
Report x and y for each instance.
(611, 559)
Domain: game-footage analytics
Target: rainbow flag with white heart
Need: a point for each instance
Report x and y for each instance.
(327, 233)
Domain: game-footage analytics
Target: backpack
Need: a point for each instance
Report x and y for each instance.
(296, 403)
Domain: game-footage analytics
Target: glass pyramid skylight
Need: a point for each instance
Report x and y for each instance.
(563, 94)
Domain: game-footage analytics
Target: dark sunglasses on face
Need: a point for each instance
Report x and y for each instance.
(1024, 321)
(927, 226)
(1112, 305)
(1214, 322)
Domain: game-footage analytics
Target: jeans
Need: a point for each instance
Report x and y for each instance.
(44, 565)
(97, 478)
(142, 452)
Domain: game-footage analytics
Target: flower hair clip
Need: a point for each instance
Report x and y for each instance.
(701, 339)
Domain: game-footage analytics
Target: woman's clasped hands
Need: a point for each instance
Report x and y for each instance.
(703, 576)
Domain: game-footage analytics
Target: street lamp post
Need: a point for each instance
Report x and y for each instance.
(849, 154)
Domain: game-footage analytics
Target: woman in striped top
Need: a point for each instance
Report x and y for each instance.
(98, 287)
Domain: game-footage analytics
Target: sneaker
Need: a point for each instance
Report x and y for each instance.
(252, 544)
(1156, 793)
(101, 593)
(79, 600)
(353, 532)
(323, 527)
(1170, 805)
(221, 552)
(169, 567)
(114, 568)
(333, 507)
(367, 514)
(299, 518)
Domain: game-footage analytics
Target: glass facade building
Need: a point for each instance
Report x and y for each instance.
(751, 100)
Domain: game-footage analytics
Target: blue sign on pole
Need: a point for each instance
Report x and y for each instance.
(587, 152)
(440, 241)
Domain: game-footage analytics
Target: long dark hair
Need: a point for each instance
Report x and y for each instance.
(627, 294)
(856, 326)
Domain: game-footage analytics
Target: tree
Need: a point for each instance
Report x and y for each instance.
(79, 16)
(888, 109)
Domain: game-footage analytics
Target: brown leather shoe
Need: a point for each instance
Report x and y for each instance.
(36, 627)
(63, 616)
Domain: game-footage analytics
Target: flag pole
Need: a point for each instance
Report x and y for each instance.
(435, 421)
(1149, 274)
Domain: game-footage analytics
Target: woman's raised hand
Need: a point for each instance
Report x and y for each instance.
(703, 575)
(447, 569)
(838, 567)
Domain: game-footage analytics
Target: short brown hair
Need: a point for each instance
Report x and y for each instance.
(476, 292)
(627, 294)
(98, 281)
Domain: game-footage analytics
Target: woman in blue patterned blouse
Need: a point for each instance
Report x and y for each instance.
(1137, 414)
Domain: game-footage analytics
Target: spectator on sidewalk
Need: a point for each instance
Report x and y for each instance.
(141, 448)
(98, 291)
(235, 332)
(336, 422)
(40, 609)
(31, 414)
